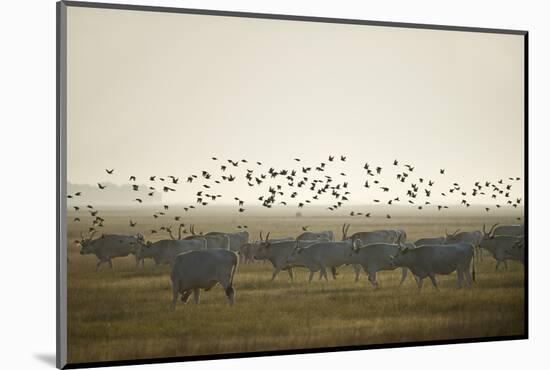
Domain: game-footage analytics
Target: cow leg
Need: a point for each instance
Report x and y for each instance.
(334, 273)
(357, 269)
(275, 273)
(185, 296)
(197, 295)
(419, 282)
(459, 278)
(291, 274)
(468, 276)
(434, 282)
(98, 264)
(175, 293)
(498, 264)
(110, 263)
(322, 273)
(403, 275)
(506, 264)
(311, 273)
(372, 279)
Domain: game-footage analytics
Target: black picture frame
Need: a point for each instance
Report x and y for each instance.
(61, 194)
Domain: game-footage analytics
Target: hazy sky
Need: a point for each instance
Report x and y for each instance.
(159, 94)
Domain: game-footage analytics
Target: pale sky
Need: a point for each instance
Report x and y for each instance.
(160, 94)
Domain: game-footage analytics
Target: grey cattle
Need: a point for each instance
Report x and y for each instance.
(517, 251)
(217, 241)
(322, 235)
(510, 230)
(430, 241)
(277, 253)
(236, 240)
(472, 237)
(164, 252)
(377, 257)
(370, 237)
(322, 255)
(500, 247)
(432, 260)
(196, 270)
(109, 246)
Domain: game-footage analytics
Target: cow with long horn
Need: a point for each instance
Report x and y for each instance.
(501, 247)
(109, 246)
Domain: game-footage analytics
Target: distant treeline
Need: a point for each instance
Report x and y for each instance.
(113, 195)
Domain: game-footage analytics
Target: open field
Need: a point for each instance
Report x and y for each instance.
(124, 313)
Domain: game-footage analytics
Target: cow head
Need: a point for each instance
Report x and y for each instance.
(262, 247)
(399, 258)
(490, 234)
(86, 243)
(356, 244)
(450, 238)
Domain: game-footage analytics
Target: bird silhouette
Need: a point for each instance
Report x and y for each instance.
(110, 172)
(442, 171)
(138, 200)
(132, 224)
(101, 186)
(132, 178)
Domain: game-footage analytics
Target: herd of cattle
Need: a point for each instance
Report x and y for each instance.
(201, 261)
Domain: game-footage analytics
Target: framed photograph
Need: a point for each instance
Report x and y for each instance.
(235, 184)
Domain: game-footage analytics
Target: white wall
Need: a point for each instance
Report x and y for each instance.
(27, 118)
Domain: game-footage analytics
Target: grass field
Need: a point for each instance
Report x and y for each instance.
(124, 313)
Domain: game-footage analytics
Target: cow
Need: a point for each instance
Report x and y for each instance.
(517, 251)
(377, 257)
(510, 230)
(236, 240)
(164, 252)
(370, 237)
(472, 237)
(109, 246)
(321, 255)
(500, 247)
(430, 241)
(196, 270)
(443, 259)
(277, 253)
(213, 241)
(322, 235)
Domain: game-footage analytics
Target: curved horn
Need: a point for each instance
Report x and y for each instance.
(456, 232)
(192, 229)
(261, 239)
(267, 236)
(484, 231)
(492, 229)
(91, 235)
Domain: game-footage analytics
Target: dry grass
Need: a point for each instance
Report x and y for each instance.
(124, 313)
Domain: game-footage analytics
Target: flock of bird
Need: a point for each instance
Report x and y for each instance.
(304, 185)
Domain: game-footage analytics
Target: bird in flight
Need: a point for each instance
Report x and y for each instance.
(132, 223)
(110, 172)
(101, 186)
